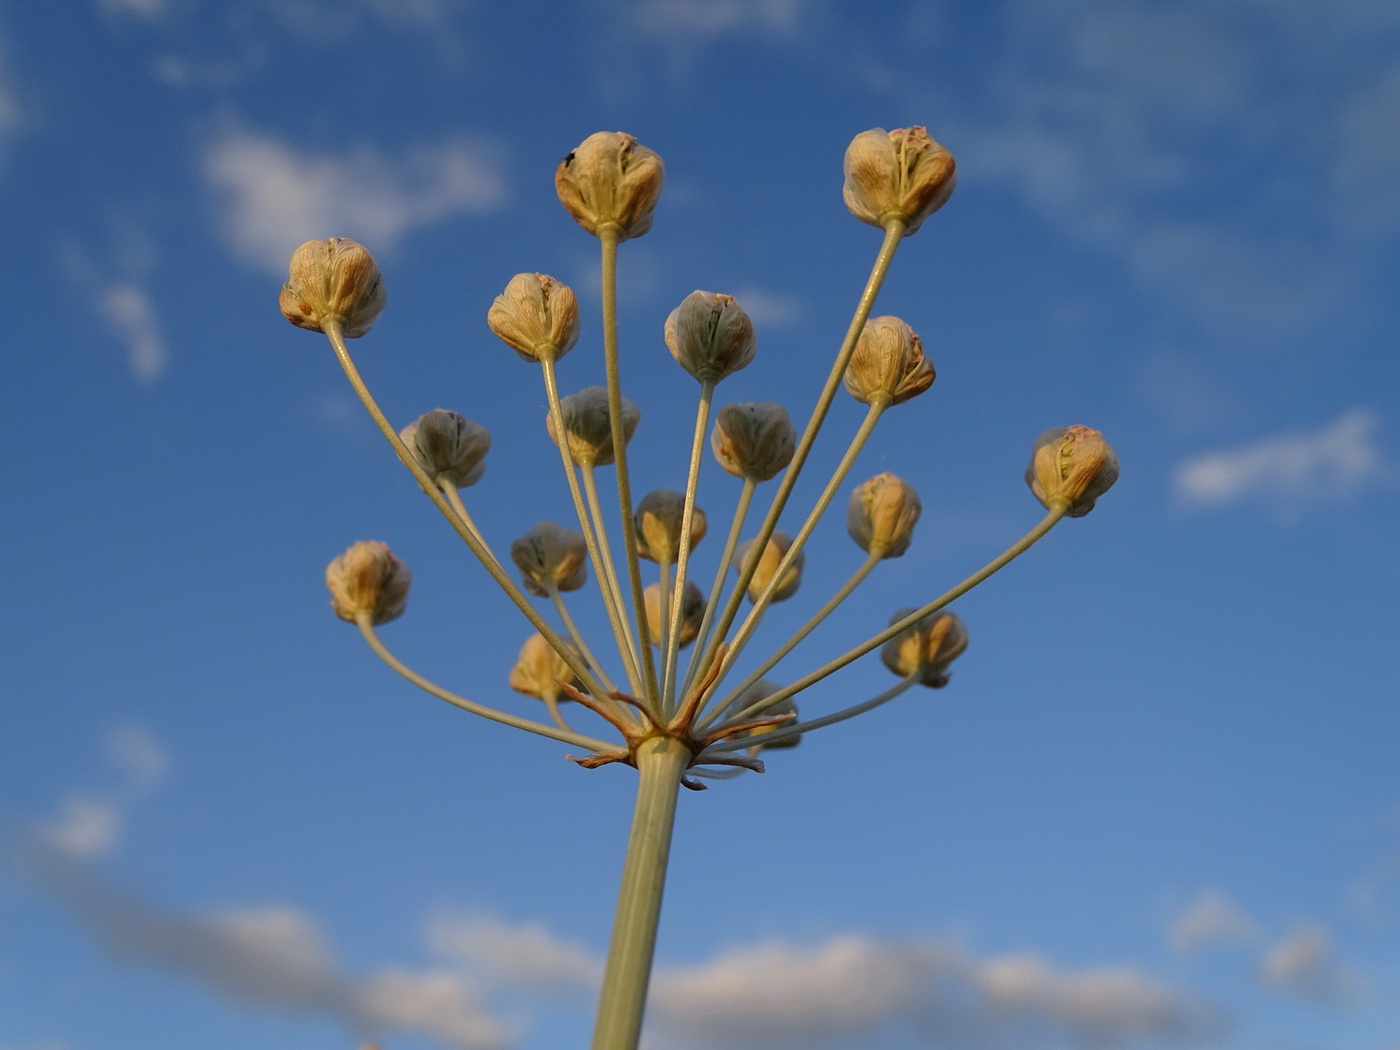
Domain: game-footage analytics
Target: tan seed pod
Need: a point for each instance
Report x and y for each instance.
(368, 581)
(535, 314)
(882, 514)
(551, 553)
(773, 553)
(888, 362)
(692, 611)
(926, 648)
(658, 520)
(334, 279)
(1074, 464)
(610, 180)
(753, 440)
(448, 446)
(541, 672)
(752, 695)
(710, 335)
(588, 425)
(901, 174)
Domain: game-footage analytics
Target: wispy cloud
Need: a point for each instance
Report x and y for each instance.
(1303, 965)
(147, 9)
(89, 823)
(1212, 918)
(699, 21)
(851, 990)
(1291, 470)
(768, 309)
(129, 313)
(524, 955)
(274, 194)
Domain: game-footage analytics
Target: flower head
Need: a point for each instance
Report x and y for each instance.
(333, 281)
(897, 175)
(926, 648)
(1074, 465)
(773, 552)
(888, 362)
(541, 672)
(658, 519)
(588, 425)
(550, 554)
(692, 612)
(610, 180)
(710, 335)
(753, 440)
(368, 582)
(881, 515)
(448, 446)
(535, 315)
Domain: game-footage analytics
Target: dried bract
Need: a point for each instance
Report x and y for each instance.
(368, 581)
(333, 280)
(753, 440)
(888, 363)
(1074, 465)
(535, 315)
(658, 519)
(773, 553)
(610, 180)
(897, 175)
(448, 446)
(550, 553)
(926, 648)
(588, 425)
(692, 612)
(882, 514)
(710, 335)
(541, 672)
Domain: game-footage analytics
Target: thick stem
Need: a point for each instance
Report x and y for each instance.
(660, 763)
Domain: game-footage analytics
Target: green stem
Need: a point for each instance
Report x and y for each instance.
(595, 509)
(608, 238)
(660, 763)
(736, 527)
(529, 725)
(692, 480)
(1055, 513)
(893, 233)
(468, 534)
(557, 600)
(790, 732)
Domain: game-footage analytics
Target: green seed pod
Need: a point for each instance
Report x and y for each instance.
(535, 314)
(1074, 464)
(710, 335)
(367, 580)
(551, 553)
(888, 362)
(332, 279)
(882, 514)
(928, 647)
(610, 180)
(753, 440)
(448, 446)
(589, 425)
(900, 174)
(773, 552)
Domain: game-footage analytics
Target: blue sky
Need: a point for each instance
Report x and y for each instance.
(1158, 805)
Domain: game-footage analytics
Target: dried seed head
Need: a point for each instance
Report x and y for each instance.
(753, 440)
(658, 519)
(1074, 464)
(589, 426)
(710, 335)
(534, 315)
(541, 672)
(900, 174)
(773, 552)
(449, 447)
(888, 362)
(610, 180)
(332, 280)
(926, 648)
(368, 581)
(692, 611)
(550, 553)
(882, 514)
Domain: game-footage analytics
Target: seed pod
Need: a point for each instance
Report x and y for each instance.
(551, 553)
(535, 314)
(710, 335)
(753, 440)
(448, 446)
(882, 514)
(541, 672)
(368, 581)
(773, 552)
(692, 611)
(589, 426)
(928, 647)
(752, 695)
(900, 174)
(610, 180)
(1074, 464)
(658, 519)
(888, 362)
(332, 280)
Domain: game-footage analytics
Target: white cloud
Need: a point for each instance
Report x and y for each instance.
(274, 194)
(695, 21)
(529, 956)
(768, 309)
(127, 309)
(138, 754)
(148, 9)
(1302, 964)
(1212, 918)
(850, 990)
(85, 826)
(1292, 469)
